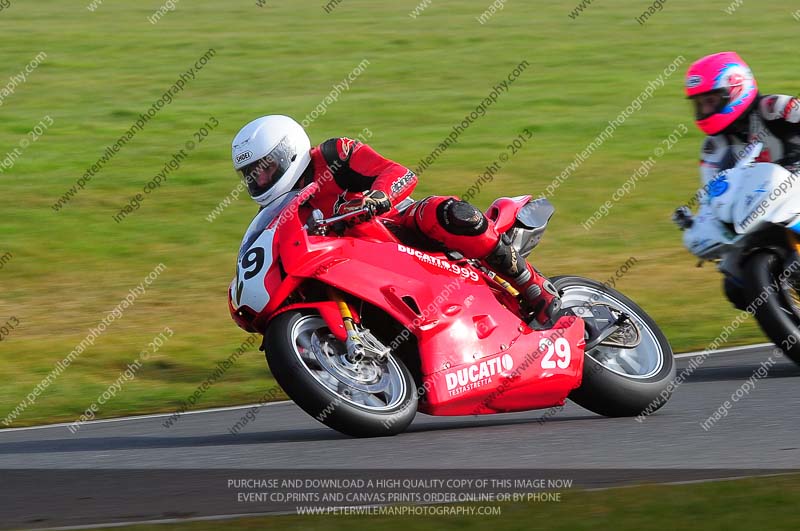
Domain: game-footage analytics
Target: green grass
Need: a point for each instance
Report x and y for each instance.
(103, 68)
(766, 503)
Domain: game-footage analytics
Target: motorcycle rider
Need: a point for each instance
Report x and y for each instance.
(731, 111)
(273, 156)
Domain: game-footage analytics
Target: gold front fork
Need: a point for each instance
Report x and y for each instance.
(354, 346)
(794, 243)
(344, 309)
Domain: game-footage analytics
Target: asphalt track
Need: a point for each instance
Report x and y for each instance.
(50, 477)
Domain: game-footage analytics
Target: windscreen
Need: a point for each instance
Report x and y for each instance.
(263, 219)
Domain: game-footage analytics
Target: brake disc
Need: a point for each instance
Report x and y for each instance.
(365, 375)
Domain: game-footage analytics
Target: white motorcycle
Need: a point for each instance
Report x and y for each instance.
(749, 223)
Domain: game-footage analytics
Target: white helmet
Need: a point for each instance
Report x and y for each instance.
(271, 153)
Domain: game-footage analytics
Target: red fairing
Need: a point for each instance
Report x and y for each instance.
(504, 211)
(242, 316)
(535, 371)
(476, 355)
(328, 310)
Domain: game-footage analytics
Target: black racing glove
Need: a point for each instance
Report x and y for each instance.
(682, 217)
(375, 200)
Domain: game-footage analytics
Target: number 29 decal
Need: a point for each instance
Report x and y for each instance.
(559, 350)
(252, 262)
(248, 288)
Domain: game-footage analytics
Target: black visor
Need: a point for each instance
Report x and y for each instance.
(261, 175)
(709, 103)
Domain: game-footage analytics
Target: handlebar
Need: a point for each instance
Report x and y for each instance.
(320, 225)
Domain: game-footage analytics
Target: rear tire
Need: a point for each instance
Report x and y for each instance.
(606, 391)
(337, 410)
(775, 315)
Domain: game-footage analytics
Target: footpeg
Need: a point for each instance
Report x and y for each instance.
(608, 326)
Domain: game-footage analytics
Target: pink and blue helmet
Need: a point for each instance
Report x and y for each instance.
(727, 75)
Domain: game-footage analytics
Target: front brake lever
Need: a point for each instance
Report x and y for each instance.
(318, 225)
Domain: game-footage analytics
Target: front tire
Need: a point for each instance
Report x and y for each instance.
(779, 314)
(620, 382)
(362, 399)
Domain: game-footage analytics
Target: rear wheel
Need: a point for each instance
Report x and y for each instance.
(779, 313)
(362, 398)
(620, 381)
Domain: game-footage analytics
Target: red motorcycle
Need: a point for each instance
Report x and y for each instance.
(364, 324)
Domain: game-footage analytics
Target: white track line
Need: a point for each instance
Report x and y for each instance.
(143, 417)
(729, 350)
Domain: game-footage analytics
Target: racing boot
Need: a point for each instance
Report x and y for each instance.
(539, 296)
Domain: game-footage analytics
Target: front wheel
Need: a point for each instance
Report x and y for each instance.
(620, 381)
(362, 398)
(774, 294)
